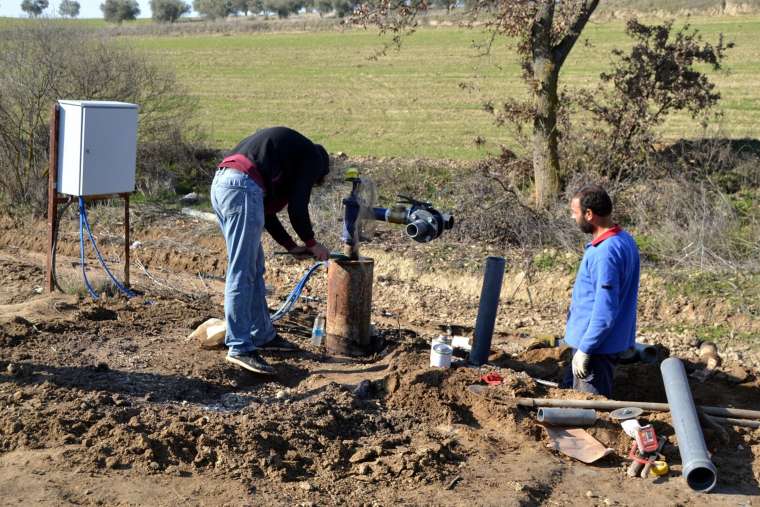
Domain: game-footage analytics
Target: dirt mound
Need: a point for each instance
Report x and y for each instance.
(299, 436)
(15, 331)
(19, 281)
(546, 363)
(115, 392)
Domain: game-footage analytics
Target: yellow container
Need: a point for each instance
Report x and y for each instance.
(659, 468)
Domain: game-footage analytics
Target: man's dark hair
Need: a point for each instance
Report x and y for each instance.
(596, 199)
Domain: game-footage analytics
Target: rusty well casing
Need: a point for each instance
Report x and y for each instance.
(349, 304)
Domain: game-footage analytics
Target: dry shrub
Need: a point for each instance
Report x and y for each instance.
(493, 208)
(694, 223)
(731, 164)
(691, 203)
(44, 61)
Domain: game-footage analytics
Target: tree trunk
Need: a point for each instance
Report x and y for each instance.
(546, 168)
(545, 73)
(546, 61)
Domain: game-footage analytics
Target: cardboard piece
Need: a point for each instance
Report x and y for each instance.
(576, 443)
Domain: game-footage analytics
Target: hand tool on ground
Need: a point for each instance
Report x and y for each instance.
(645, 449)
(644, 438)
(656, 456)
(625, 413)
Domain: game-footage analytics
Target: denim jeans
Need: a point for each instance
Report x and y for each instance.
(239, 205)
(599, 379)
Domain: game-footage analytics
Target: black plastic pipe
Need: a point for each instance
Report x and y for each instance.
(698, 470)
(489, 304)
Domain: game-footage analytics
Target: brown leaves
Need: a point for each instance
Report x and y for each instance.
(655, 78)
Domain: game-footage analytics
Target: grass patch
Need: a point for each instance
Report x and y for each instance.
(424, 101)
(551, 259)
(740, 289)
(722, 333)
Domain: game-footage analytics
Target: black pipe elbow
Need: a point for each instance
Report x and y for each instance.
(421, 230)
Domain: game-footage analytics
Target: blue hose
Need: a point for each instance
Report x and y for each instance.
(85, 224)
(81, 253)
(290, 301)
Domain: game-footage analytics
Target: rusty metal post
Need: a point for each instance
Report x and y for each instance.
(349, 304)
(52, 196)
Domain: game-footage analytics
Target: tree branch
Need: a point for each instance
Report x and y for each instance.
(561, 50)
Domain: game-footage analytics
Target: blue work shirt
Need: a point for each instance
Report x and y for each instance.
(602, 317)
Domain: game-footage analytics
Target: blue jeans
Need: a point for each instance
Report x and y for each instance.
(239, 205)
(599, 379)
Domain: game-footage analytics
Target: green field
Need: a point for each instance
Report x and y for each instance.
(409, 103)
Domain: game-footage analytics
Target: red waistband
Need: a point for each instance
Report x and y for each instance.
(240, 162)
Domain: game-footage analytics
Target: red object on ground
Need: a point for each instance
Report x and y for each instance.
(493, 379)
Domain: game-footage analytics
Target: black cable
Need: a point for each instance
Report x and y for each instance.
(56, 228)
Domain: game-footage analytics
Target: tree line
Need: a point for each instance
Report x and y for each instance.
(169, 11)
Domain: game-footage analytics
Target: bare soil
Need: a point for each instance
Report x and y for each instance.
(108, 403)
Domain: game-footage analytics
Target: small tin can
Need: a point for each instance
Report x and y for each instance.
(440, 355)
(445, 339)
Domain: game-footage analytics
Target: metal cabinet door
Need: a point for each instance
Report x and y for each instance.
(109, 150)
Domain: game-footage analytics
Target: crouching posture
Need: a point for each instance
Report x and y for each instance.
(267, 171)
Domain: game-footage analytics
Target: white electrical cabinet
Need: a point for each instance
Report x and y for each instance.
(97, 147)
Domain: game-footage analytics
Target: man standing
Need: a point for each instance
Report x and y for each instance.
(271, 169)
(602, 319)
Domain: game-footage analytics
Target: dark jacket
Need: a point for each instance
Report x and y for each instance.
(286, 165)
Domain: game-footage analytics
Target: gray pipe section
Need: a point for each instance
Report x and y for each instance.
(747, 423)
(567, 416)
(489, 303)
(698, 470)
(646, 405)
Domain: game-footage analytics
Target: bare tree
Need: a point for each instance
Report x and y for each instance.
(545, 32)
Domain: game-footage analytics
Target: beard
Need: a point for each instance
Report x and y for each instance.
(585, 226)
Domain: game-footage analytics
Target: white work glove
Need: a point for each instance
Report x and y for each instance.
(580, 364)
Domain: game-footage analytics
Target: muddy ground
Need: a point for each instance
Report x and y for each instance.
(108, 403)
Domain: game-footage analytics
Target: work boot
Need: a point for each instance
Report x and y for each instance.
(252, 361)
(278, 344)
